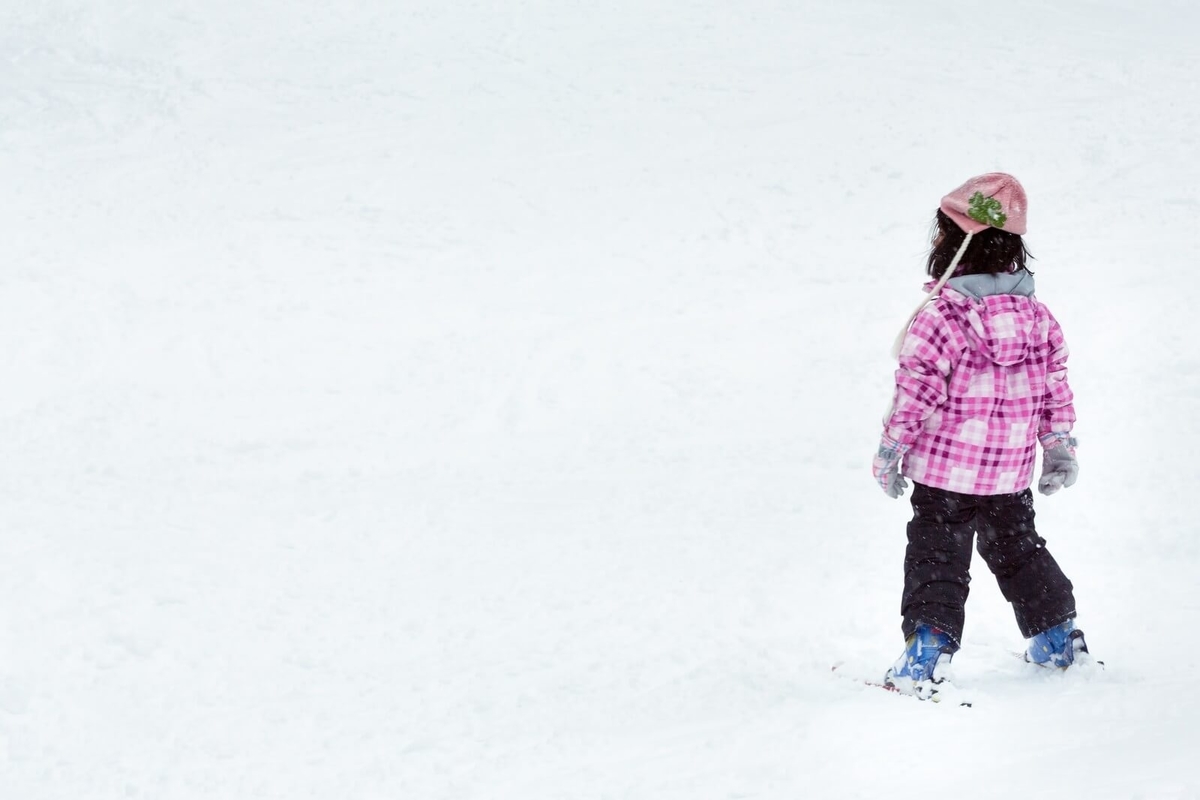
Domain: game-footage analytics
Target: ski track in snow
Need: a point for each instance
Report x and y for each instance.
(446, 401)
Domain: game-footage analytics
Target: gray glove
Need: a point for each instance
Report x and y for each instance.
(886, 467)
(1059, 467)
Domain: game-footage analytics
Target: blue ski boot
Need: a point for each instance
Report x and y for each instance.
(1057, 647)
(920, 669)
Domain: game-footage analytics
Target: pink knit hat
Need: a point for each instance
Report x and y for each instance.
(994, 200)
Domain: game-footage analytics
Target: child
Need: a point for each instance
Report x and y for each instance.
(982, 379)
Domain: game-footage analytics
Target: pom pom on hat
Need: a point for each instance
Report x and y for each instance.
(994, 200)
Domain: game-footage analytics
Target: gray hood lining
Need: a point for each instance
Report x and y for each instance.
(978, 287)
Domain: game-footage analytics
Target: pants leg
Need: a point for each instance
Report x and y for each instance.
(937, 562)
(1028, 575)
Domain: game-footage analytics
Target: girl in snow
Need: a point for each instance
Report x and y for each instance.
(982, 381)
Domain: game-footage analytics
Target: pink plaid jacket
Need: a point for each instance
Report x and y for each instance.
(982, 376)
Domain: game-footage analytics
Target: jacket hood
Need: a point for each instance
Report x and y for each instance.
(998, 313)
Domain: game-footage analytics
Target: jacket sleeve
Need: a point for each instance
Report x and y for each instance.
(922, 379)
(1058, 410)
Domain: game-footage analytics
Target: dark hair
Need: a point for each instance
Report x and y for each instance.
(991, 250)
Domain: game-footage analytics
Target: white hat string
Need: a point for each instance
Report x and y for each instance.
(962, 248)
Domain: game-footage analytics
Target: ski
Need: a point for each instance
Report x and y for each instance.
(1086, 662)
(935, 695)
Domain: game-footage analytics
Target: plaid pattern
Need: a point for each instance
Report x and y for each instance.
(979, 382)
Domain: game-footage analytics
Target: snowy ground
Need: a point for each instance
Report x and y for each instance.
(429, 400)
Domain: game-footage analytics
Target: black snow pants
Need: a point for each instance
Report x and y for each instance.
(938, 561)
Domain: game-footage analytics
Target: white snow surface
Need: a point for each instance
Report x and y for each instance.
(432, 400)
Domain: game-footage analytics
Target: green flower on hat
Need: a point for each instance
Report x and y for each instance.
(986, 210)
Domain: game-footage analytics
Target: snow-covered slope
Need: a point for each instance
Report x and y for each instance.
(475, 400)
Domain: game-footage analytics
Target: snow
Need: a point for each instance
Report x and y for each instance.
(476, 400)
